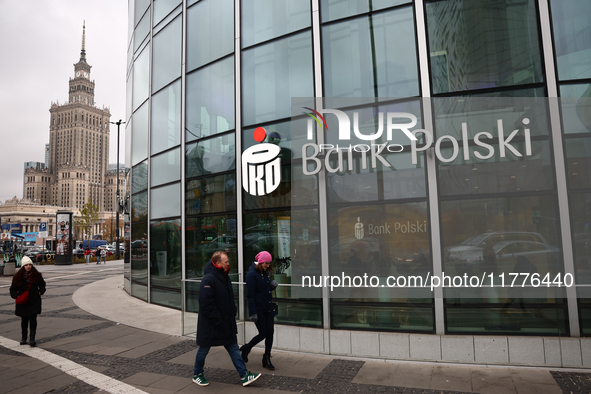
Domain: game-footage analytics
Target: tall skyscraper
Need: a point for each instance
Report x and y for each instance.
(78, 149)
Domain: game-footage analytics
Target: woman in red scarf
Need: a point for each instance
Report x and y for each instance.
(31, 280)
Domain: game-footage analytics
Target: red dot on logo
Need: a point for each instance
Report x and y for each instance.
(259, 134)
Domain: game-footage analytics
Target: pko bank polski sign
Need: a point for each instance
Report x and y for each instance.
(371, 152)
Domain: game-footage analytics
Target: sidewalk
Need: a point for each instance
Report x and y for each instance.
(92, 335)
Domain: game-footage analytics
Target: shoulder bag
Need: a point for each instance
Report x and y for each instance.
(23, 298)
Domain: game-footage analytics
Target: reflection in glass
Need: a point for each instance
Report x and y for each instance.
(139, 135)
(580, 216)
(211, 195)
(210, 100)
(165, 201)
(210, 31)
(141, 78)
(266, 19)
(289, 135)
(139, 178)
(293, 239)
(571, 22)
(362, 60)
(165, 263)
(163, 8)
(578, 162)
(141, 32)
(166, 167)
(337, 9)
(575, 104)
(479, 44)
(351, 315)
(139, 207)
(166, 118)
(295, 189)
(140, 8)
(167, 54)
(274, 73)
(139, 260)
(211, 156)
(204, 236)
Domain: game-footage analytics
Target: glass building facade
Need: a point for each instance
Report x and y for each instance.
(203, 75)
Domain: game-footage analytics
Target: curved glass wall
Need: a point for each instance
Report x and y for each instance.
(478, 193)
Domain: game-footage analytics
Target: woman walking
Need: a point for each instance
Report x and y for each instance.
(259, 287)
(28, 279)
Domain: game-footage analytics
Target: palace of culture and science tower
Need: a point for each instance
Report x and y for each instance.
(77, 165)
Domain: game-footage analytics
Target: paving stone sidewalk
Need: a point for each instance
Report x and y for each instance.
(160, 363)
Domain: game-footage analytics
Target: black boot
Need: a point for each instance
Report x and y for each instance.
(245, 350)
(267, 362)
(24, 338)
(32, 342)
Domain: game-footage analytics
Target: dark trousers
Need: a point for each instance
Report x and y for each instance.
(25, 322)
(266, 326)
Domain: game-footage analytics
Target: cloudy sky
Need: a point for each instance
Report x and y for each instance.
(40, 40)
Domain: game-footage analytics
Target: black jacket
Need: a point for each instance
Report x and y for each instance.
(258, 291)
(33, 306)
(216, 325)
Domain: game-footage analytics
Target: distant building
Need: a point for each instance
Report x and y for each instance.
(77, 155)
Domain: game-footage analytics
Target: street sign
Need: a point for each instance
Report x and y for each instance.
(42, 234)
(42, 226)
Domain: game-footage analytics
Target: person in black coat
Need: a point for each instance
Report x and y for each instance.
(259, 287)
(216, 325)
(27, 277)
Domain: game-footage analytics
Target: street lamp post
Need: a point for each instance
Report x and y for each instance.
(118, 123)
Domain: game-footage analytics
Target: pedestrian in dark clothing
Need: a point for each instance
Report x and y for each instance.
(28, 279)
(259, 287)
(216, 325)
(97, 253)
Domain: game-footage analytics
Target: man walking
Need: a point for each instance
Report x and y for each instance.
(87, 254)
(97, 253)
(216, 325)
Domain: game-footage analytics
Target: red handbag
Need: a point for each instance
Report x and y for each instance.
(23, 298)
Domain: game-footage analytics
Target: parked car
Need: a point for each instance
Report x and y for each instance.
(41, 255)
(78, 252)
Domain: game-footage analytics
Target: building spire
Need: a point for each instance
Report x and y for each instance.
(83, 51)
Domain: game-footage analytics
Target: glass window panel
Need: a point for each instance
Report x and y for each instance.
(210, 31)
(289, 135)
(165, 201)
(578, 162)
(130, 20)
(167, 54)
(517, 320)
(580, 216)
(140, 8)
(211, 195)
(575, 102)
(166, 264)
(139, 177)
(293, 239)
(128, 96)
(337, 9)
(571, 22)
(163, 8)
(478, 44)
(166, 118)
(210, 156)
(204, 236)
(401, 180)
(141, 78)
(166, 167)
(139, 135)
(139, 260)
(266, 19)
(274, 73)
(295, 189)
(359, 316)
(210, 100)
(362, 60)
(492, 234)
(141, 32)
(139, 207)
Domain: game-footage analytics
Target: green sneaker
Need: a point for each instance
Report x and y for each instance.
(200, 380)
(250, 377)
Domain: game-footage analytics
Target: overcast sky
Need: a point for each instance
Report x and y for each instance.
(40, 40)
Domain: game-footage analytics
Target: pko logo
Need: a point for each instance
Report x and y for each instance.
(261, 166)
